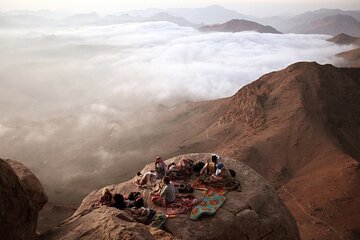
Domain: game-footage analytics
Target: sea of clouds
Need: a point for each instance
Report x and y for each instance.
(64, 90)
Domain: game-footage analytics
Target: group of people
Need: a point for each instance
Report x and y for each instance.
(118, 201)
(159, 172)
(213, 172)
(133, 205)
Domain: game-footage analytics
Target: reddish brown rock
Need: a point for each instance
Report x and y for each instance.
(17, 213)
(255, 212)
(30, 183)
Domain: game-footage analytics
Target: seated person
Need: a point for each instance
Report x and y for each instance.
(181, 170)
(147, 179)
(160, 167)
(210, 167)
(221, 175)
(106, 198)
(167, 194)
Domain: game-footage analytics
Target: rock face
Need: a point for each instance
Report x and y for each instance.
(21, 199)
(30, 183)
(255, 212)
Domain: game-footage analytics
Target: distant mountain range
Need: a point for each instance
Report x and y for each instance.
(330, 25)
(28, 20)
(239, 25)
(322, 21)
(162, 16)
(207, 15)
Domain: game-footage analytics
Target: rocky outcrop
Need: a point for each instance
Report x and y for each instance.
(30, 183)
(22, 196)
(255, 212)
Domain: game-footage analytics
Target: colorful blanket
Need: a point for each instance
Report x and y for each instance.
(208, 189)
(219, 191)
(211, 203)
(199, 185)
(182, 204)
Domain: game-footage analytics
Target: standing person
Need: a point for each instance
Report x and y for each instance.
(160, 167)
(167, 194)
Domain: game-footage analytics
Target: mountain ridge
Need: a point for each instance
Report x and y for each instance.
(239, 25)
(330, 25)
(299, 128)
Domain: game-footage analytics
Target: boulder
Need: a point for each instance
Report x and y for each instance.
(18, 211)
(254, 212)
(30, 183)
(104, 223)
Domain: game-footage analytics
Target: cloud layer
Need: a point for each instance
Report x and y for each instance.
(63, 91)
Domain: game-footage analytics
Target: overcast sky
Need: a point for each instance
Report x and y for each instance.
(254, 7)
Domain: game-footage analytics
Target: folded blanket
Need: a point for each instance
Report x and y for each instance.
(182, 204)
(211, 203)
(199, 185)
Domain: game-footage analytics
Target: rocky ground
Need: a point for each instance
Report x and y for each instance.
(255, 212)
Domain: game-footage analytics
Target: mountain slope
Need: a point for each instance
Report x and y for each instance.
(168, 18)
(208, 15)
(239, 25)
(286, 23)
(299, 128)
(330, 25)
(351, 57)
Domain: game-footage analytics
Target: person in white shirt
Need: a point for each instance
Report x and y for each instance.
(168, 192)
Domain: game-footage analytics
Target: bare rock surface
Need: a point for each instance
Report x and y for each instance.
(21, 198)
(255, 212)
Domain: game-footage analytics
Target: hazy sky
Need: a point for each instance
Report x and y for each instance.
(255, 7)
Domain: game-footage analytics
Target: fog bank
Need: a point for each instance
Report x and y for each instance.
(71, 98)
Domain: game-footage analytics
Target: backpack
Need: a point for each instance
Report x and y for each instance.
(186, 188)
(139, 202)
(232, 172)
(134, 195)
(198, 166)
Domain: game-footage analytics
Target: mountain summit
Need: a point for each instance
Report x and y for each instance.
(239, 25)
